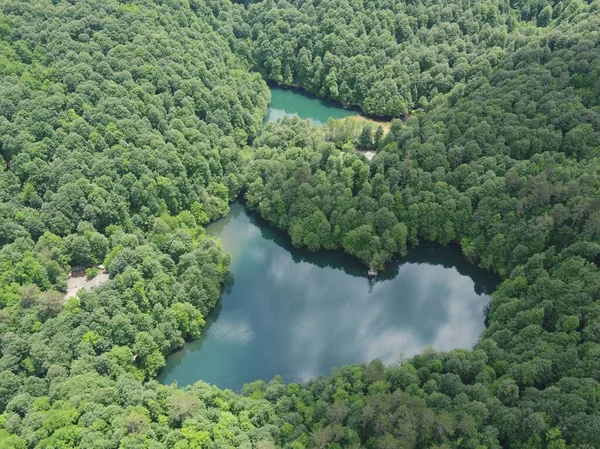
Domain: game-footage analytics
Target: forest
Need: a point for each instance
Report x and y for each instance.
(125, 126)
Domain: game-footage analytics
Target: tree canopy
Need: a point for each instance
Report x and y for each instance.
(127, 125)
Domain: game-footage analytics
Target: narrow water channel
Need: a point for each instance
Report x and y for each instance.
(298, 314)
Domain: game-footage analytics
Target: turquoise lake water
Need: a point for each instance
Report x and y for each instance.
(298, 314)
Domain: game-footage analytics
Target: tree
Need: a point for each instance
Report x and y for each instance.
(183, 405)
(81, 251)
(378, 135)
(545, 16)
(365, 140)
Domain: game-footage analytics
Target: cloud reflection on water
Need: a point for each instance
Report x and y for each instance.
(287, 315)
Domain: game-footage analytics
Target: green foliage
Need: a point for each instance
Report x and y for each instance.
(511, 179)
(91, 273)
(125, 128)
(387, 57)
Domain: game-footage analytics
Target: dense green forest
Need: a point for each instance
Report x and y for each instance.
(127, 125)
(390, 57)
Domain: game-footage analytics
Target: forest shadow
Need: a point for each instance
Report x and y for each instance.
(426, 252)
(175, 358)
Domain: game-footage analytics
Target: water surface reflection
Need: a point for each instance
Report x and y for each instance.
(296, 103)
(298, 314)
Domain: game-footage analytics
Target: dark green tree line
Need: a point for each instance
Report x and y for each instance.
(388, 57)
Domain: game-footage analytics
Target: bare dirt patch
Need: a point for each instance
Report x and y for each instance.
(364, 120)
(369, 154)
(77, 280)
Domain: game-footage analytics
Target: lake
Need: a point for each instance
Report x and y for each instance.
(295, 103)
(298, 314)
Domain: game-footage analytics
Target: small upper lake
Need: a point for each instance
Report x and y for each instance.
(292, 103)
(298, 314)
